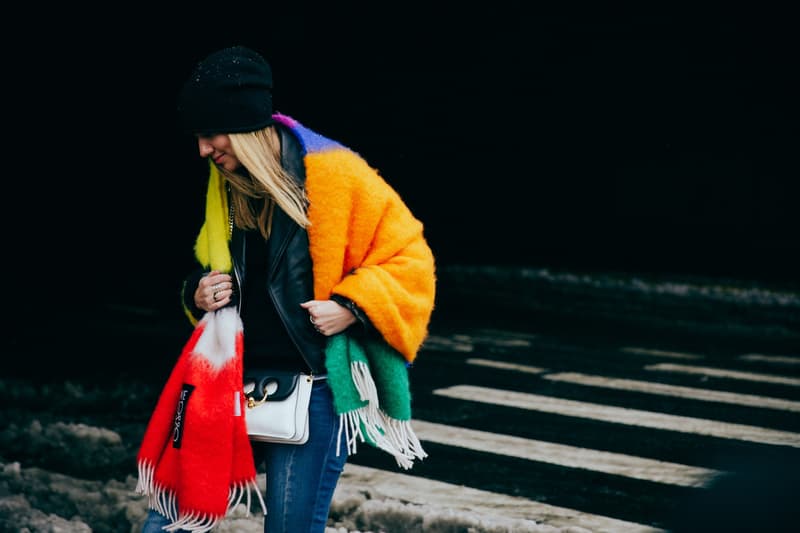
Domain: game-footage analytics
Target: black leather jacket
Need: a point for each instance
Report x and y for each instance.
(290, 279)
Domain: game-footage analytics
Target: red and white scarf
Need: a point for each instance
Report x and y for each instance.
(195, 461)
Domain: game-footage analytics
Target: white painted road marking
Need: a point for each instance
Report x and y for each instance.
(563, 455)
(466, 343)
(663, 389)
(779, 359)
(506, 366)
(722, 373)
(660, 353)
(430, 494)
(446, 344)
(621, 415)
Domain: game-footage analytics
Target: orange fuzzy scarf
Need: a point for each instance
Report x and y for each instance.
(367, 246)
(195, 462)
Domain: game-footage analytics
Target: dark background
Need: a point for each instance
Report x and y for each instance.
(660, 140)
(641, 140)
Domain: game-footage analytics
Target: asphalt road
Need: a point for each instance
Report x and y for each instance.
(611, 423)
(677, 414)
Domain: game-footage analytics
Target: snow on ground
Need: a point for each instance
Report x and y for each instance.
(36, 499)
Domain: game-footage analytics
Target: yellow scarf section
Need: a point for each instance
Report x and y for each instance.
(211, 248)
(365, 245)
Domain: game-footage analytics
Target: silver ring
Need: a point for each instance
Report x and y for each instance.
(215, 296)
(216, 286)
(311, 319)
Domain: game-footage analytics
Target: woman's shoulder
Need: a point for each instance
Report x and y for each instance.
(332, 161)
(346, 169)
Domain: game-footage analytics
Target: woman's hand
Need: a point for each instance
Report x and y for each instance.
(214, 291)
(328, 317)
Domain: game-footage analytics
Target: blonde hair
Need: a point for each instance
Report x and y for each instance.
(259, 152)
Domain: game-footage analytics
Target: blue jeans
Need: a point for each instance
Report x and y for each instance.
(301, 479)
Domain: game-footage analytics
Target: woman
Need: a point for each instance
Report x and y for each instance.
(303, 243)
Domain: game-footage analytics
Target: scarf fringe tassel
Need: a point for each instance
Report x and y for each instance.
(162, 500)
(369, 422)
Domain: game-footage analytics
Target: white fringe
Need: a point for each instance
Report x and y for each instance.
(198, 523)
(164, 501)
(393, 436)
(365, 385)
(144, 485)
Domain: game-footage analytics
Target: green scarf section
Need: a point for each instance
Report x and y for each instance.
(371, 395)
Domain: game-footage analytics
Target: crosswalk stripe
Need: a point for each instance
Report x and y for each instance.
(505, 366)
(492, 333)
(780, 359)
(660, 353)
(563, 455)
(722, 373)
(621, 415)
(663, 389)
(502, 339)
(466, 343)
(446, 344)
(383, 484)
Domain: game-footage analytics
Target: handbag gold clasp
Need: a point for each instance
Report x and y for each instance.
(252, 402)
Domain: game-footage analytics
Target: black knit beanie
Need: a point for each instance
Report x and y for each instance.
(230, 91)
